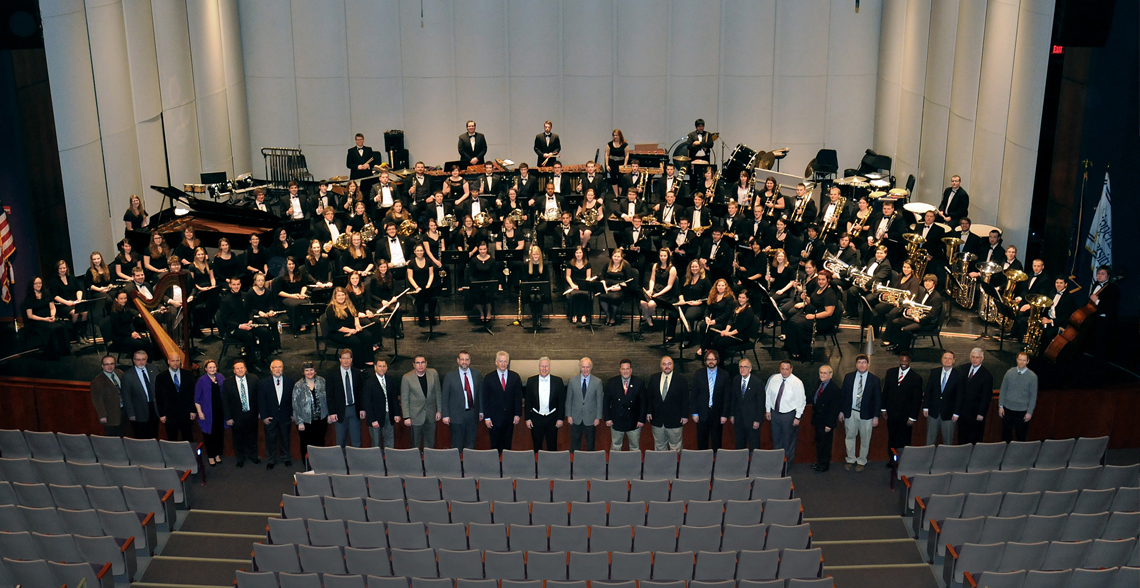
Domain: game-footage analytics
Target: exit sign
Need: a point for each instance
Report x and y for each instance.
(1058, 49)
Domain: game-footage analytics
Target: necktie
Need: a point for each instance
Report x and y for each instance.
(177, 382)
(503, 380)
(664, 386)
(743, 387)
(945, 374)
(244, 395)
(972, 373)
(383, 388)
(115, 379)
(348, 399)
(143, 379)
(625, 385)
(818, 392)
(859, 393)
(780, 395)
(467, 390)
(712, 385)
(902, 374)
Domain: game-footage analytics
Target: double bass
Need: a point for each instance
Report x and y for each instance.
(1069, 342)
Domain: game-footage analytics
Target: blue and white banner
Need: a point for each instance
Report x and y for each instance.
(1099, 240)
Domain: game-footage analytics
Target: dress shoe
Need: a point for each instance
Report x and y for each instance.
(240, 464)
(820, 470)
(890, 464)
(288, 463)
(269, 465)
(256, 461)
(859, 468)
(848, 466)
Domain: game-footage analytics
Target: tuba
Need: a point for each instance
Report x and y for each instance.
(1012, 279)
(964, 286)
(1038, 304)
(987, 310)
(915, 252)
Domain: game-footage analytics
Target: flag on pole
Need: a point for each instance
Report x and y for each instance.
(1099, 240)
(7, 248)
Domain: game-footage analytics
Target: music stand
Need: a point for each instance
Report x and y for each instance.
(454, 258)
(868, 323)
(508, 256)
(487, 288)
(594, 287)
(561, 255)
(528, 289)
(779, 315)
(993, 295)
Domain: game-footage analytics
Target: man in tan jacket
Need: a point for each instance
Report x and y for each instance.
(105, 390)
(419, 401)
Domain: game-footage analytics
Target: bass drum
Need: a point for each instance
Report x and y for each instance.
(742, 158)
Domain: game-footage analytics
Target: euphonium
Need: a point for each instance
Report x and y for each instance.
(1037, 306)
(861, 278)
(916, 254)
(408, 228)
(914, 310)
(966, 286)
(892, 296)
(832, 263)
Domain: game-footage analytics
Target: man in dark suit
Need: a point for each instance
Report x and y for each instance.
(670, 182)
(501, 402)
(708, 402)
(812, 248)
(297, 205)
(565, 234)
(234, 321)
(955, 202)
(716, 256)
(435, 208)
(545, 404)
(174, 394)
(887, 227)
(624, 407)
(592, 180)
(902, 329)
(139, 398)
(698, 214)
(939, 399)
(275, 405)
(491, 184)
(902, 399)
(698, 141)
(384, 196)
(1056, 318)
(527, 189)
(744, 403)
(472, 146)
(634, 179)
(1105, 295)
(637, 242)
(360, 159)
(935, 250)
(391, 247)
(239, 409)
(461, 398)
(668, 410)
(879, 267)
(547, 146)
(419, 184)
(346, 407)
(824, 412)
(971, 243)
(327, 228)
(861, 400)
(802, 198)
(381, 396)
(107, 399)
(973, 405)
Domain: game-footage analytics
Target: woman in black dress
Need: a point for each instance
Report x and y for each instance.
(885, 312)
(99, 284)
(122, 323)
(421, 279)
(482, 269)
(770, 199)
(226, 264)
(358, 219)
(819, 311)
(356, 258)
(204, 289)
(156, 256)
(739, 328)
(383, 291)
(751, 268)
(662, 279)
(468, 236)
(781, 238)
(316, 266)
(434, 245)
(456, 187)
(126, 261)
(292, 289)
(691, 300)
(185, 249)
(590, 202)
(578, 272)
(536, 270)
(279, 249)
(780, 277)
(358, 295)
(43, 330)
(345, 330)
(616, 156)
(352, 195)
(256, 258)
(134, 218)
(713, 190)
(261, 305)
(718, 309)
(397, 214)
(617, 272)
(68, 294)
(510, 204)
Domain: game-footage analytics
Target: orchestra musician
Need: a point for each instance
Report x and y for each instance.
(526, 185)
(1105, 295)
(879, 269)
(813, 247)
(711, 191)
(255, 258)
(383, 290)
(99, 285)
(698, 141)
(774, 204)
(172, 299)
(635, 242)
(358, 295)
(831, 210)
(510, 203)
(126, 261)
(732, 222)
(671, 182)
(546, 206)
(329, 228)
(590, 202)
(357, 258)
(565, 234)
(476, 204)
(325, 199)
(482, 268)
(992, 250)
(345, 330)
(317, 267)
(419, 188)
(804, 280)
(971, 243)
(750, 268)
(185, 250)
(204, 288)
(935, 252)
(236, 320)
(755, 228)
(667, 210)
(384, 195)
(434, 246)
(1056, 318)
(456, 187)
(721, 301)
(885, 313)
(360, 159)
(742, 191)
(259, 202)
(794, 203)
(472, 145)
(121, 319)
(662, 279)
(547, 146)
(845, 251)
(44, 328)
(592, 180)
(300, 206)
(292, 288)
(560, 182)
(955, 202)
(691, 299)
(391, 247)
(617, 156)
(781, 279)
(358, 219)
(351, 194)
(225, 263)
(259, 300)
(862, 211)
(699, 216)
(632, 206)
(740, 327)
(684, 243)
(490, 183)
(436, 209)
(467, 237)
(618, 271)
(422, 281)
(134, 219)
(67, 293)
(536, 270)
(631, 182)
(717, 255)
(820, 308)
(887, 229)
(578, 301)
(782, 238)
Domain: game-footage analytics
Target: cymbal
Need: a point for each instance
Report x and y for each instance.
(850, 180)
(917, 207)
(338, 179)
(880, 183)
(860, 185)
(682, 159)
(878, 194)
(899, 192)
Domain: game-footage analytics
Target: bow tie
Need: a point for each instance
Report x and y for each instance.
(546, 134)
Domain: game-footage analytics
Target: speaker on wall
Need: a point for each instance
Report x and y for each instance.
(20, 25)
(1082, 23)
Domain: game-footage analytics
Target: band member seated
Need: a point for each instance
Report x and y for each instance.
(579, 301)
(903, 328)
(185, 249)
(44, 328)
(560, 182)
(123, 334)
(482, 268)
(819, 313)
(455, 188)
(742, 191)
(261, 303)
(526, 185)
(437, 209)
(359, 296)
(831, 214)
(434, 246)
(125, 262)
(802, 208)
(298, 206)
(711, 189)
(847, 253)
(955, 202)
(1038, 283)
(732, 222)
(325, 199)
(67, 293)
(991, 250)
(971, 243)
(316, 266)
(634, 179)
(780, 276)
(171, 311)
(292, 288)
(346, 331)
(755, 228)
(391, 247)
(738, 330)
(691, 300)
(772, 202)
(700, 217)
(358, 219)
(635, 242)
(510, 203)
(879, 268)
(234, 321)
(721, 300)
(477, 204)
(565, 234)
(812, 248)
(662, 286)
(667, 211)
(886, 229)
(717, 255)
(536, 270)
(935, 251)
(467, 237)
(885, 312)
(491, 184)
(384, 195)
(384, 297)
(510, 239)
(422, 280)
(472, 146)
(328, 229)
(618, 274)
(631, 206)
(805, 279)
(259, 202)
(1056, 318)
(548, 208)
(782, 238)
(685, 243)
(750, 267)
(155, 256)
(859, 225)
(670, 182)
(590, 205)
(356, 258)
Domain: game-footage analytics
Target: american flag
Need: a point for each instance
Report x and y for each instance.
(7, 248)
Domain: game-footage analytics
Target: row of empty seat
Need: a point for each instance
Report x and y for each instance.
(1042, 555)
(980, 457)
(302, 580)
(60, 473)
(536, 565)
(120, 553)
(624, 465)
(39, 573)
(77, 448)
(87, 522)
(539, 489)
(500, 537)
(1021, 480)
(111, 498)
(695, 513)
(955, 532)
(938, 507)
(1126, 577)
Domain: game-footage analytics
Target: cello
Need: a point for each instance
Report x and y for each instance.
(1069, 342)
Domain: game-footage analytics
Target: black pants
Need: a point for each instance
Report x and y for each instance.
(149, 429)
(709, 432)
(244, 437)
(898, 433)
(1014, 422)
(502, 434)
(278, 437)
(543, 429)
(360, 344)
(114, 430)
(179, 430)
(215, 442)
(314, 434)
(746, 436)
(577, 431)
(970, 429)
(258, 341)
(823, 441)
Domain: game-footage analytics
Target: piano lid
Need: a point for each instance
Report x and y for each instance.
(213, 219)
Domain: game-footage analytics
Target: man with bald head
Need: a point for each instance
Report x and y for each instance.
(668, 410)
(824, 399)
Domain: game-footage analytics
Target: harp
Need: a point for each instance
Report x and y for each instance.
(169, 343)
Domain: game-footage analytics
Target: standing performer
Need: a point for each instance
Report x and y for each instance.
(547, 146)
(360, 159)
(472, 146)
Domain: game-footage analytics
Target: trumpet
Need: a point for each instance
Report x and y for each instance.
(914, 310)
(892, 296)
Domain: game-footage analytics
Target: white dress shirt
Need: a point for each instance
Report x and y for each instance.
(397, 254)
(544, 395)
(793, 400)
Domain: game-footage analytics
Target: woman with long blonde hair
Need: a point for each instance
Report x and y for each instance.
(135, 217)
(345, 330)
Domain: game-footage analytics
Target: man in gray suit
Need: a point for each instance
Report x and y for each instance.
(419, 401)
(461, 399)
(583, 405)
(139, 399)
